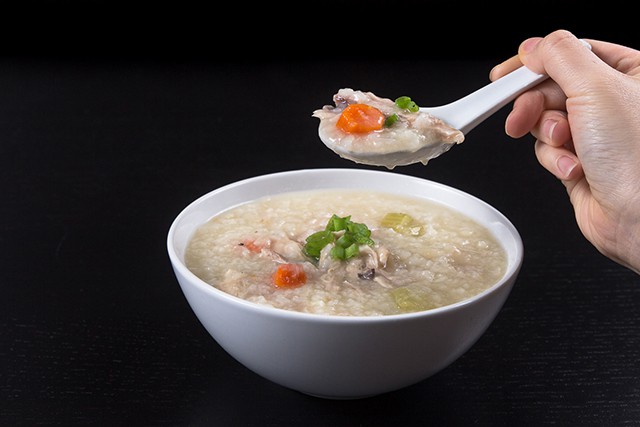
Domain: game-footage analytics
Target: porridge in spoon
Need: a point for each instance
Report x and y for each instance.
(369, 129)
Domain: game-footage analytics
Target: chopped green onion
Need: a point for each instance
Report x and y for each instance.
(317, 241)
(336, 223)
(406, 103)
(389, 121)
(345, 240)
(346, 244)
(360, 233)
(351, 251)
(338, 252)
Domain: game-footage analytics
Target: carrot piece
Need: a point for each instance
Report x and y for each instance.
(289, 276)
(360, 118)
(251, 246)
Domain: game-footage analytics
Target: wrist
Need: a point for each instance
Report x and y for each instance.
(629, 249)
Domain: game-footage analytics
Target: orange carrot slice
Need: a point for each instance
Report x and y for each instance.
(360, 118)
(289, 276)
(251, 246)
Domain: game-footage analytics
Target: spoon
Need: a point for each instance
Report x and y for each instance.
(463, 114)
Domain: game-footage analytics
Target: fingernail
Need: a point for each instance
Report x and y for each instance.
(491, 73)
(529, 44)
(565, 165)
(548, 126)
(506, 124)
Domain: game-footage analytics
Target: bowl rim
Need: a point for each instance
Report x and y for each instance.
(177, 263)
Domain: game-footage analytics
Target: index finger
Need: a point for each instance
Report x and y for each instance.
(505, 68)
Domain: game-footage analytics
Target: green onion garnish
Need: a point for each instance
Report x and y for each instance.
(406, 103)
(346, 246)
(389, 121)
(316, 242)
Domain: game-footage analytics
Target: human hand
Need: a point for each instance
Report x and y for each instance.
(586, 121)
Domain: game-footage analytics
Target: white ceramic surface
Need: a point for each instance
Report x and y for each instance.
(341, 357)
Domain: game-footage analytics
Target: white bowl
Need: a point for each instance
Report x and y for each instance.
(341, 357)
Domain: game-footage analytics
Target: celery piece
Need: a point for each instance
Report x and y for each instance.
(402, 223)
(409, 300)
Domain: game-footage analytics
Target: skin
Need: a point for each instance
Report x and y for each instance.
(586, 121)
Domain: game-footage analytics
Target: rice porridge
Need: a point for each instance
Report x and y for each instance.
(346, 253)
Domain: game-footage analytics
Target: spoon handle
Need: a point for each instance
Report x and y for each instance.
(468, 112)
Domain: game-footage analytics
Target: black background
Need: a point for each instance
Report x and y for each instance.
(275, 31)
(114, 116)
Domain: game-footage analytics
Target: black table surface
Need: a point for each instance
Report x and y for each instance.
(97, 157)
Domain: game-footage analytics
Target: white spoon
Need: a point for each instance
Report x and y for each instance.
(464, 114)
(468, 112)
